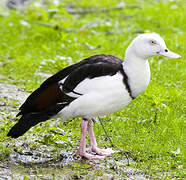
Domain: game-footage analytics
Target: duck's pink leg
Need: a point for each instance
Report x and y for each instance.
(82, 148)
(93, 143)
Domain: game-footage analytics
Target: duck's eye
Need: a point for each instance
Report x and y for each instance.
(152, 42)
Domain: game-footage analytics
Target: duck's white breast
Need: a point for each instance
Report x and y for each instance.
(138, 76)
(101, 96)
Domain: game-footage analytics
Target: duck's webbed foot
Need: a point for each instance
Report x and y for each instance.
(87, 125)
(103, 152)
(93, 143)
(89, 156)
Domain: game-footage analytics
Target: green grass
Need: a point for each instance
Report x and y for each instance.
(152, 127)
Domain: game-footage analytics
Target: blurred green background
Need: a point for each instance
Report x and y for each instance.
(39, 38)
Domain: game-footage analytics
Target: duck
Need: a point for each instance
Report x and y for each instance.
(96, 86)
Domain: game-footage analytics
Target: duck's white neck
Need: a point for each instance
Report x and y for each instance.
(138, 72)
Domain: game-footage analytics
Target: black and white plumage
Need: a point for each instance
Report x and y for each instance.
(96, 86)
(60, 90)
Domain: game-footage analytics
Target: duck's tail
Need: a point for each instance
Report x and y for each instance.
(26, 122)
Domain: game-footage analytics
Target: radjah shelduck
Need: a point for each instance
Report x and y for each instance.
(96, 86)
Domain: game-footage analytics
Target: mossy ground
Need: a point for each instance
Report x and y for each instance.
(47, 38)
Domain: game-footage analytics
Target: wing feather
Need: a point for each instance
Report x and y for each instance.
(50, 93)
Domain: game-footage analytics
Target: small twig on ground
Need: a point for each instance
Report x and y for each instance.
(56, 27)
(128, 155)
(155, 116)
(87, 11)
(105, 132)
(55, 132)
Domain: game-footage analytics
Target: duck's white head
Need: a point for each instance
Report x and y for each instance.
(150, 44)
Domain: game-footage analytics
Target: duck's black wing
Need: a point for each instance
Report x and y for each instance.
(52, 91)
(51, 97)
